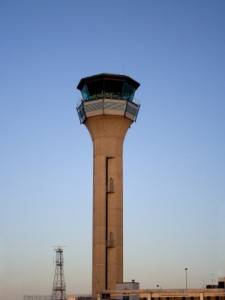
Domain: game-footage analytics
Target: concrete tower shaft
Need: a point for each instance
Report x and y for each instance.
(107, 109)
(107, 133)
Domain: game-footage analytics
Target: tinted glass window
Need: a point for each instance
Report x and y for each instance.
(95, 89)
(113, 88)
(128, 91)
(85, 92)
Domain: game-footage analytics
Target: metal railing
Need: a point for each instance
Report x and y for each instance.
(107, 106)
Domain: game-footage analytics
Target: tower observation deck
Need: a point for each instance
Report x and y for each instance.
(108, 94)
(107, 109)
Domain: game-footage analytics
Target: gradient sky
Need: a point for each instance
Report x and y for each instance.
(174, 156)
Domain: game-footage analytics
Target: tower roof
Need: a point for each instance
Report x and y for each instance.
(107, 76)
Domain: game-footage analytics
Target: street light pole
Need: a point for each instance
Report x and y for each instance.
(158, 286)
(186, 270)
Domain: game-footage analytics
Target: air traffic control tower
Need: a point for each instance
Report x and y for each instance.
(107, 109)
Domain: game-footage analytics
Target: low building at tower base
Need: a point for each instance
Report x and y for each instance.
(131, 291)
(165, 294)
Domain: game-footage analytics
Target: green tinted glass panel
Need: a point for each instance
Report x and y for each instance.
(128, 92)
(85, 93)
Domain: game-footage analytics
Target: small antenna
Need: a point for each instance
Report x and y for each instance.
(122, 68)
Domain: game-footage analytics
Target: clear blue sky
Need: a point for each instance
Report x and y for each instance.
(174, 156)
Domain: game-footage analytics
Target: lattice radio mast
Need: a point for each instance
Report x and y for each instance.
(59, 286)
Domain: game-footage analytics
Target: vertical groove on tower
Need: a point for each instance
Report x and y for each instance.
(106, 221)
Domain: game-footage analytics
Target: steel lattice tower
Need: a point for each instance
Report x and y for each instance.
(59, 286)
